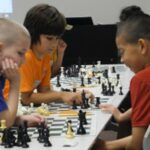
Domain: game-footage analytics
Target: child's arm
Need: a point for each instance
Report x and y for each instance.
(133, 142)
(46, 96)
(60, 54)
(11, 72)
(119, 116)
(32, 120)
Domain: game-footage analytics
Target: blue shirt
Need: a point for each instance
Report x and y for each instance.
(3, 105)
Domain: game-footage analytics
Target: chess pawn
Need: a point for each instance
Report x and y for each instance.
(69, 133)
(3, 125)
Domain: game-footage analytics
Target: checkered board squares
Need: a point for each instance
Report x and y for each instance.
(58, 126)
(70, 82)
(54, 107)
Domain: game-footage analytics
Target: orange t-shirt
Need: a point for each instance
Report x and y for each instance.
(34, 72)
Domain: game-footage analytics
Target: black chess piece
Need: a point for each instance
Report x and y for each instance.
(109, 93)
(118, 78)
(12, 137)
(6, 141)
(113, 89)
(99, 80)
(120, 93)
(84, 118)
(105, 73)
(89, 80)
(81, 129)
(113, 70)
(25, 126)
(74, 106)
(82, 81)
(97, 101)
(58, 81)
(83, 105)
(19, 136)
(24, 141)
(41, 133)
(47, 143)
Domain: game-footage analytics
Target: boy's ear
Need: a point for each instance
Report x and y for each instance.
(143, 46)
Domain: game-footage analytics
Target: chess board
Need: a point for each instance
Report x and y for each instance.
(71, 82)
(58, 126)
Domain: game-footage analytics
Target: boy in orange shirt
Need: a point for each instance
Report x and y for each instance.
(46, 26)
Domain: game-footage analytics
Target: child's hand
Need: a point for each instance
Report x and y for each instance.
(61, 46)
(33, 119)
(69, 97)
(10, 70)
(108, 108)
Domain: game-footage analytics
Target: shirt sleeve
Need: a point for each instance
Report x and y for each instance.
(140, 97)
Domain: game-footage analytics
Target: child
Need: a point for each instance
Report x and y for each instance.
(46, 26)
(14, 41)
(133, 42)
(130, 11)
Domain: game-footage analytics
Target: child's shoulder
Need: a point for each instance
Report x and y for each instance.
(143, 75)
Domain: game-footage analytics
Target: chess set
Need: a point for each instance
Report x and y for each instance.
(63, 119)
(88, 76)
(67, 127)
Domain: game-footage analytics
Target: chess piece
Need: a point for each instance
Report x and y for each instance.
(118, 78)
(41, 133)
(25, 126)
(84, 118)
(97, 101)
(82, 81)
(83, 105)
(113, 69)
(113, 90)
(99, 79)
(19, 136)
(81, 129)
(69, 133)
(74, 106)
(3, 125)
(89, 80)
(6, 141)
(24, 141)
(120, 93)
(47, 143)
(58, 81)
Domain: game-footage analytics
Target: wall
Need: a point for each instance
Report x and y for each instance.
(102, 11)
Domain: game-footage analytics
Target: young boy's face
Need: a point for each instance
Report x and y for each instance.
(130, 54)
(15, 52)
(47, 43)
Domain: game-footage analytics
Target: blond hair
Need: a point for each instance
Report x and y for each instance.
(11, 31)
